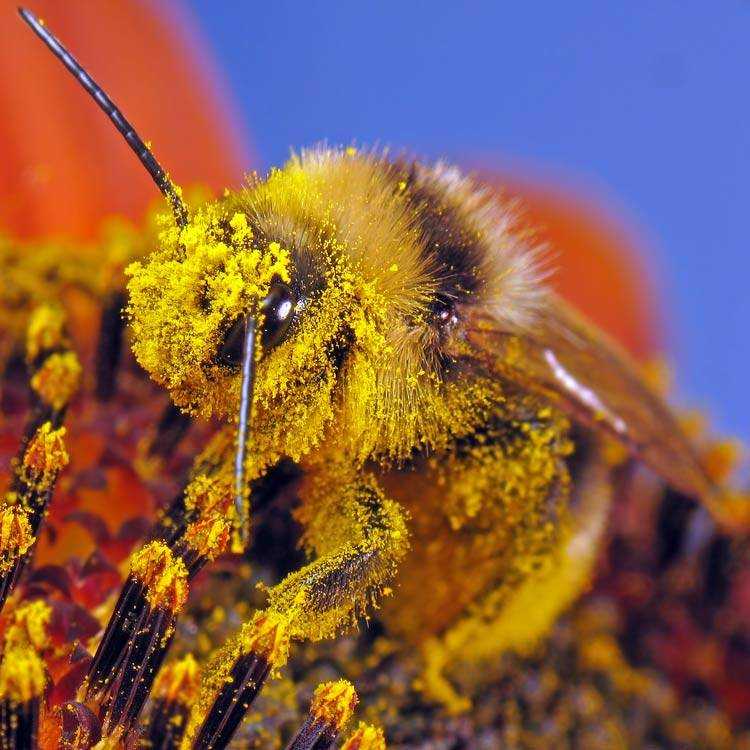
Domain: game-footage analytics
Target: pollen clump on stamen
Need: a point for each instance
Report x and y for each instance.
(209, 536)
(365, 737)
(16, 535)
(208, 494)
(267, 635)
(57, 379)
(164, 576)
(46, 455)
(333, 703)
(22, 674)
(45, 330)
(179, 681)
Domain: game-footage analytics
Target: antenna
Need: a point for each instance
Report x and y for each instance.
(158, 175)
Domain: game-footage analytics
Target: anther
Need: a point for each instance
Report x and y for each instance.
(138, 636)
(365, 737)
(235, 677)
(331, 707)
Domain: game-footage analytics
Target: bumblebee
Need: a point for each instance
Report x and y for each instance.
(386, 326)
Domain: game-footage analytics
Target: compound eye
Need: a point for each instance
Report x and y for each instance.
(444, 313)
(278, 313)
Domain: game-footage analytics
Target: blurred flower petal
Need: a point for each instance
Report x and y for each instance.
(64, 165)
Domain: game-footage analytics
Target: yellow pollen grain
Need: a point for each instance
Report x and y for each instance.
(16, 535)
(22, 674)
(365, 737)
(333, 703)
(46, 454)
(179, 681)
(163, 574)
(57, 379)
(267, 635)
(45, 330)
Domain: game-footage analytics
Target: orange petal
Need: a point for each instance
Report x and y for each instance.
(64, 165)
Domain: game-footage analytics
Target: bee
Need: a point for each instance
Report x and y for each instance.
(386, 326)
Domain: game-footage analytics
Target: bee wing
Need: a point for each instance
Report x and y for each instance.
(590, 378)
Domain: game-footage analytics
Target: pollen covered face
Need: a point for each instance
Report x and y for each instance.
(185, 295)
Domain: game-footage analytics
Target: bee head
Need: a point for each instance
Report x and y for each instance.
(246, 256)
(293, 252)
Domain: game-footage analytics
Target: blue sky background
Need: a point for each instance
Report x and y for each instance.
(642, 104)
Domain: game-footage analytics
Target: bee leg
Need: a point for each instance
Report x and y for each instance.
(358, 536)
(109, 345)
(519, 608)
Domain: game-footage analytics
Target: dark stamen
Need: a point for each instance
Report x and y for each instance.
(22, 682)
(330, 709)
(234, 679)
(245, 681)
